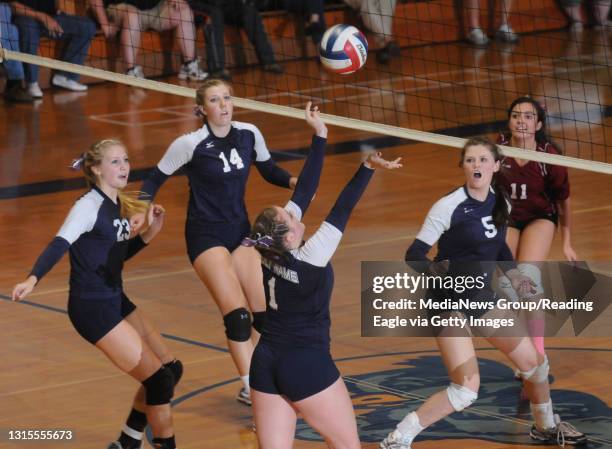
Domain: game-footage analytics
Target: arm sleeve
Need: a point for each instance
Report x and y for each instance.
(320, 248)
(273, 173)
(151, 185)
(49, 257)
(261, 149)
(436, 223)
(417, 252)
(416, 256)
(308, 181)
(178, 154)
(134, 246)
(349, 197)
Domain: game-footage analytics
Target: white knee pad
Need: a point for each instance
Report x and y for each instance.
(460, 397)
(537, 374)
(533, 273)
(504, 284)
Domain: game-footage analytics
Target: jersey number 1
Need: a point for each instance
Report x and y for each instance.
(234, 160)
(271, 284)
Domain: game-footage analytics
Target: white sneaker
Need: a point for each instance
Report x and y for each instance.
(244, 397)
(477, 37)
(34, 90)
(67, 83)
(136, 72)
(192, 71)
(395, 440)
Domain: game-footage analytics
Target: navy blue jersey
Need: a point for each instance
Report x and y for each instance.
(464, 228)
(298, 290)
(466, 235)
(99, 243)
(217, 169)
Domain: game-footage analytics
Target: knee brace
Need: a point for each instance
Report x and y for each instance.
(259, 320)
(534, 273)
(176, 368)
(460, 397)
(159, 387)
(537, 374)
(238, 324)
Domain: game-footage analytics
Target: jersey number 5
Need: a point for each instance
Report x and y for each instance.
(271, 284)
(234, 160)
(490, 229)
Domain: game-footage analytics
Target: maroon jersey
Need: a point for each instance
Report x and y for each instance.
(534, 188)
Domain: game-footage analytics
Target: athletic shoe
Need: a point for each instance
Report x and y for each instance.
(136, 72)
(18, 94)
(506, 34)
(244, 397)
(395, 440)
(223, 74)
(118, 445)
(477, 37)
(68, 83)
(563, 433)
(34, 91)
(192, 71)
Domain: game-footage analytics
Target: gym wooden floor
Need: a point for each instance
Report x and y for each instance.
(52, 379)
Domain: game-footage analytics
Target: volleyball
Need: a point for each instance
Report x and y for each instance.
(343, 49)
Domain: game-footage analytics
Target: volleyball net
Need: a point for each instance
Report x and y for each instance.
(427, 77)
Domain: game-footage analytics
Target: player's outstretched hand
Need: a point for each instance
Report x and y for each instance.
(24, 288)
(375, 160)
(313, 118)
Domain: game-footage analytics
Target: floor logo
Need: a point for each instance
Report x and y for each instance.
(382, 398)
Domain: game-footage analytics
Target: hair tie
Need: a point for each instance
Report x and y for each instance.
(263, 241)
(77, 163)
(198, 112)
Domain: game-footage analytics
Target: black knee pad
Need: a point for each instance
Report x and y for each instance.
(159, 387)
(176, 368)
(238, 324)
(259, 320)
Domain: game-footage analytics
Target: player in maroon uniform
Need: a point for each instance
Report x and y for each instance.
(540, 194)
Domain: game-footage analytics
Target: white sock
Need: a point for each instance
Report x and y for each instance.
(245, 381)
(409, 427)
(543, 415)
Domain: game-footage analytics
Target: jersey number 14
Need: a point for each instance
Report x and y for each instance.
(234, 160)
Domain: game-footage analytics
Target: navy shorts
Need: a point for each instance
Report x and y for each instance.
(296, 373)
(522, 224)
(201, 236)
(94, 318)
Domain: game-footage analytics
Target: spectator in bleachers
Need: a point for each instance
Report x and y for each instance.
(9, 36)
(131, 17)
(600, 12)
(377, 16)
(243, 13)
(211, 16)
(313, 9)
(36, 18)
(476, 34)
